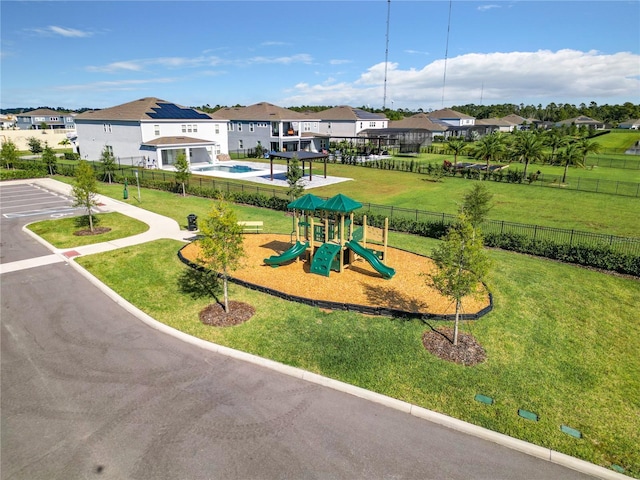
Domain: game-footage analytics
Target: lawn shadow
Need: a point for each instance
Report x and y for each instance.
(199, 284)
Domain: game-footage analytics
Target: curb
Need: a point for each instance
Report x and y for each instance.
(419, 412)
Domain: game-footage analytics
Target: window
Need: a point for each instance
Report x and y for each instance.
(54, 119)
(106, 127)
(240, 144)
(230, 127)
(329, 125)
(38, 119)
(239, 126)
(372, 124)
(156, 129)
(189, 128)
(195, 128)
(315, 126)
(217, 128)
(360, 124)
(69, 119)
(251, 127)
(109, 149)
(184, 129)
(306, 127)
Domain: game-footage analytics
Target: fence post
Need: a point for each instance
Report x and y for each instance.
(571, 238)
(502, 228)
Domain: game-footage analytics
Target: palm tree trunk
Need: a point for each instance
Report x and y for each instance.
(564, 175)
(526, 164)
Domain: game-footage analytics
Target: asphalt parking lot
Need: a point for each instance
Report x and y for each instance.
(25, 200)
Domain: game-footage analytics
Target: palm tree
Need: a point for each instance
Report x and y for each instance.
(489, 147)
(457, 146)
(585, 147)
(527, 147)
(570, 156)
(555, 139)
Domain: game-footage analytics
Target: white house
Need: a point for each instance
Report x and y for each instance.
(151, 132)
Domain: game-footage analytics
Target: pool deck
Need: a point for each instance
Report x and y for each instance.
(263, 175)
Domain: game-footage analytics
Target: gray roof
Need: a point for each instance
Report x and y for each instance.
(447, 113)
(42, 111)
(345, 112)
(418, 121)
(178, 140)
(149, 108)
(263, 111)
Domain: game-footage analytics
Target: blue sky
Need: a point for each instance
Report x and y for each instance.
(99, 54)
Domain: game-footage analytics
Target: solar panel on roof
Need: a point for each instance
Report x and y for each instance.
(169, 111)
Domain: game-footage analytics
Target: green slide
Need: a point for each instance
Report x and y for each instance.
(323, 258)
(369, 256)
(293, 252)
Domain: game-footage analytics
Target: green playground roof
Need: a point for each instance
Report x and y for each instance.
(308, 202)
(340, 203)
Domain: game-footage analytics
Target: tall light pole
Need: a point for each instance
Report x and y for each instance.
(386, 58)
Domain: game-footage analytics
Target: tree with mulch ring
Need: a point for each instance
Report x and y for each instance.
(215, 315)
(467, 352)
(96, 231)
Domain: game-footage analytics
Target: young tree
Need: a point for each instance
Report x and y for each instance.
(108, 163)
(570, 156)
(476, 205)
(9, 153)
(182, 170)
(49, 158)
(462, 265)
(457, 146)
(527, 147)
(555, 139)
(35, 145)
(85, 189)
(585, 147)
(489, 147)
(294, 178)
(221, 243)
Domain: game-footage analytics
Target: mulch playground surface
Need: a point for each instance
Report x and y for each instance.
(358, 284)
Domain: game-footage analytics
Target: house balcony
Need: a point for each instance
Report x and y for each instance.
(290, 133)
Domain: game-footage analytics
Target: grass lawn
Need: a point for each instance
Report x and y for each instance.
(60, 232)
(562, 342)
(549, 207)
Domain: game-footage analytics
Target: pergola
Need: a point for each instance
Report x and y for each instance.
(302, 156)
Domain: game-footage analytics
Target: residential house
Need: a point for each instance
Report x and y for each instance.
(45, 118)
(582, 120)
(412, 133)
(347, 122)
(151, 132)
(7, 122)
(630, 124)
(274, 128)
(459, 124)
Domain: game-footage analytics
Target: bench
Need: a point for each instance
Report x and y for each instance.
(251, 227)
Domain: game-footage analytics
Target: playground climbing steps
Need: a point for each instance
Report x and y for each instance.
(323, 258)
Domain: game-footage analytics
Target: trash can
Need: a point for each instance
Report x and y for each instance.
(192, 222)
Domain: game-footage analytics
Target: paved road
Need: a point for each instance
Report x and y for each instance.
(88, 391)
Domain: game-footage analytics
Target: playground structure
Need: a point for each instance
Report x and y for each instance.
(331, 241)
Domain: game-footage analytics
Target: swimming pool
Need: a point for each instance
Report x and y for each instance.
(226, 169)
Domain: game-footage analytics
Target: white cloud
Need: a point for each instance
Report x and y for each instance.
(299, 58)
(116, 85)
(274, 43)
(166, 62)
(416, 52)
(512, 77)
(484, 8)
(337, 61)
(62, 31)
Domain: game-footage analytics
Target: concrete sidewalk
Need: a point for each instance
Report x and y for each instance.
(163, 227)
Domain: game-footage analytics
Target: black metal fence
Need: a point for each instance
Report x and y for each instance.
(563, 236)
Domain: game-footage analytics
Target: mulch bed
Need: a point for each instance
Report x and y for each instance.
(215, 315)
(359, 284)
(440, 343)
(96, 231)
